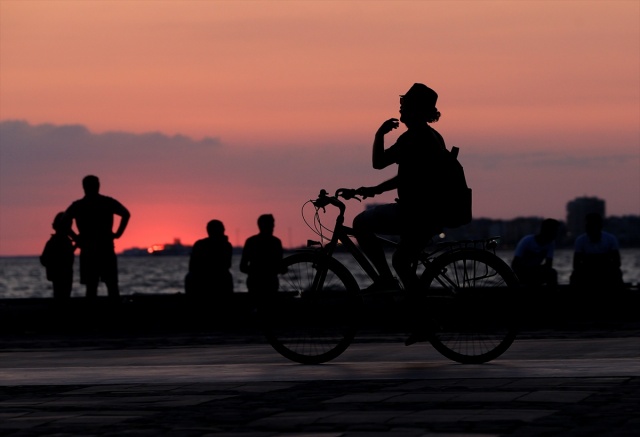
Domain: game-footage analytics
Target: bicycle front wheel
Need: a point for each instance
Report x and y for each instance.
(313, 318)
(471, 303)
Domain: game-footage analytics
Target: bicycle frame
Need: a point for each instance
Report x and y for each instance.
(342, 234)
(318, 317)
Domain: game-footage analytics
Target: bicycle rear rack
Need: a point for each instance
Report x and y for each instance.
(490, 244)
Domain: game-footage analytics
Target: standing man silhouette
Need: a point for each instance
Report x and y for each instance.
(94, 217)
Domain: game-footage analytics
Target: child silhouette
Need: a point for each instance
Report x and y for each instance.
(57, 257)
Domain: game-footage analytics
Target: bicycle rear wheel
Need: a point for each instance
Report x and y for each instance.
(471, 303)
(312, 325)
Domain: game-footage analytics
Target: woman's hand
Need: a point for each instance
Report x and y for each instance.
(367, 192)
(388, 126)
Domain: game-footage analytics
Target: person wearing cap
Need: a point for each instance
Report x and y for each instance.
(414, 215)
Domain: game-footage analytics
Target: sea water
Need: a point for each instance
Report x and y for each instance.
(24, 277)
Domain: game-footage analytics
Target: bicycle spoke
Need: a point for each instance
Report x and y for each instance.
(314, 317)
(476, 324)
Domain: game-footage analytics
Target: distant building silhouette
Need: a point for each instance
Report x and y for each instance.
(626, 228)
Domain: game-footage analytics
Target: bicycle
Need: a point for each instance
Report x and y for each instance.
(467, 295)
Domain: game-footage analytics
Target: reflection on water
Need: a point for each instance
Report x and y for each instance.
(22, 277)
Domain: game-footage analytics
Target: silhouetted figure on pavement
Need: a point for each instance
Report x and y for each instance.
(209, 276)
(262, 260)
(94, 219)
(596, 258)
(533, 257)
(416, 216)
(58, 257)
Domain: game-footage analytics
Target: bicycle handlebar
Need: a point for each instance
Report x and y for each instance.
(324, 199)
(348, 193)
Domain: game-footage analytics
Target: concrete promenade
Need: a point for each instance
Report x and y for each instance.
(562, 387)
(578, 378)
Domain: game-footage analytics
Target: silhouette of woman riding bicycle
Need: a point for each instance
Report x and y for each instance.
(446, 290)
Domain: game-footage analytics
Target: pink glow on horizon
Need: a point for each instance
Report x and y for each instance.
(542, 97)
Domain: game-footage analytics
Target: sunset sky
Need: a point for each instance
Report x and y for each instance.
(194, 110)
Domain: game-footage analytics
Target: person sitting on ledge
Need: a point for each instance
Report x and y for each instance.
(262, 261)
(596, 257)
(209, 276)
(533, 258)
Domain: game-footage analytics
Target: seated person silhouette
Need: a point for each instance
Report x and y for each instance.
(262, 260)
(596, 257)
(209, 276)
(533, 258)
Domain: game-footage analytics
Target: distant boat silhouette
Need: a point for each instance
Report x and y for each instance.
(167, 249)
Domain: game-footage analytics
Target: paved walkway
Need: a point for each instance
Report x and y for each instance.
(443, 407)
(446, 399)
